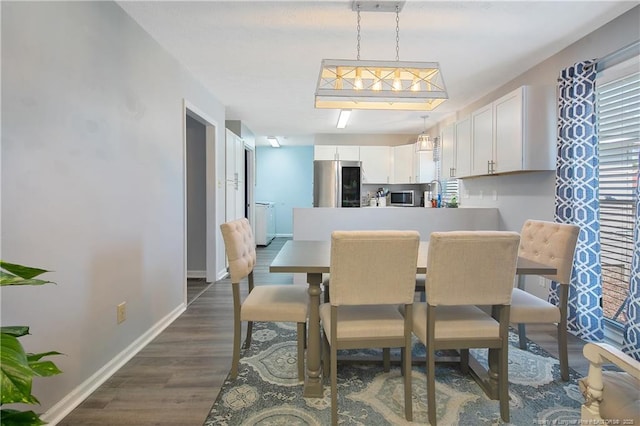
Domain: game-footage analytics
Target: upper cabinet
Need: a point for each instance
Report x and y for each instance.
(448, 152)
(403, 164)
(376, 164)
(455, 149)
(515, 133)
(482, 137)
(336, 152)
(463, 148)
(424, 166)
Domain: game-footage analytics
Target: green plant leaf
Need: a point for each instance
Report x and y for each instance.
(26, 272)
(36, 357)
(10, 279)
(16, 375)
(15, 330)
(44, 368)
(10, 417)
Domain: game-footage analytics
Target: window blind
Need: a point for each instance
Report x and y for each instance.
(618, 112)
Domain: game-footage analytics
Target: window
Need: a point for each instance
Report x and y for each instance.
(618, 113)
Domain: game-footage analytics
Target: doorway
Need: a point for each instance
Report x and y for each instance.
(200, 206)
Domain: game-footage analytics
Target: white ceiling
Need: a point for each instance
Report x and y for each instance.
(262, 58)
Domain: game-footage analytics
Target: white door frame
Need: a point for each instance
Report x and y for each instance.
(211, 126)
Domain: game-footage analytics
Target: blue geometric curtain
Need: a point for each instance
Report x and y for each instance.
(576, 198)
(631, 342)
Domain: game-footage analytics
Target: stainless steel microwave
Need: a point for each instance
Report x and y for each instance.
(404, 198)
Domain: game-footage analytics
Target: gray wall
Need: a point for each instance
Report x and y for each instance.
(93, 178)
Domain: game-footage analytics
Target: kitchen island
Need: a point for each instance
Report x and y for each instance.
(317, 223)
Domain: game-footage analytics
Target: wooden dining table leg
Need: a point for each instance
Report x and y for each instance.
(313, 380)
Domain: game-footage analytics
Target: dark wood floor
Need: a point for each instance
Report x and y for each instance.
(175, 379)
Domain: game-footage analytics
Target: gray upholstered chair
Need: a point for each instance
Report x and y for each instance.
(611, 397)
(371, 273)
(552, 244)
(272, 303)
(465, 269)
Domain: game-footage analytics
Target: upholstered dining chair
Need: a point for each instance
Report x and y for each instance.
(465, 269)
(612, 397)
(270, 303)
(551, 244)
(372, 272)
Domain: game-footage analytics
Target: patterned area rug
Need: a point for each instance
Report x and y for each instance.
(267, 391)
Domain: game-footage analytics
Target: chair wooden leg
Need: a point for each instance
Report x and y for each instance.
(237, 333)
(503, 383)
(334, 386)
(386, 359)
(522, 336)
(431, 386)
(247, 341)
(406, 363)
(562, 352)
(301, 344)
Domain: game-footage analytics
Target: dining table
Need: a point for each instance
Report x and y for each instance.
(313, 258)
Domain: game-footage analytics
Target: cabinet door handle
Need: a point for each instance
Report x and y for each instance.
(489, 167)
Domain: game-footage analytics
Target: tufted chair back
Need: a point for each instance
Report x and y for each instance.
(471, 267)
(240, 247)
(552, 244)
(391, 258)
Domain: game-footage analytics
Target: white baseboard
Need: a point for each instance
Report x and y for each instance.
(60, 410)
(285, 235)
(196, 274)
(222, 274)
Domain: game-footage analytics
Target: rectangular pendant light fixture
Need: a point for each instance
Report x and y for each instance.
(383, 85)
(391, 85)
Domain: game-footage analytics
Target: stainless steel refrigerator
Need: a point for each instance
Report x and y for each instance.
(337, 183)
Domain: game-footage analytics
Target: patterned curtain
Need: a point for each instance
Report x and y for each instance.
(631, 342)
(576, 198)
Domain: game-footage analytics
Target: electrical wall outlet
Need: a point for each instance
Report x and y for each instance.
(121, 312)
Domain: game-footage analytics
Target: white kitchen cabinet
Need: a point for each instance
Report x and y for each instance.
(336, 152)
(463, 148)
(324, 152)
(448, 152)
(376, 164)
(234, 173)
(515, 133)
(424, 166)
(482, 141)
(403, 164)
(525, 130)
(507, 116)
